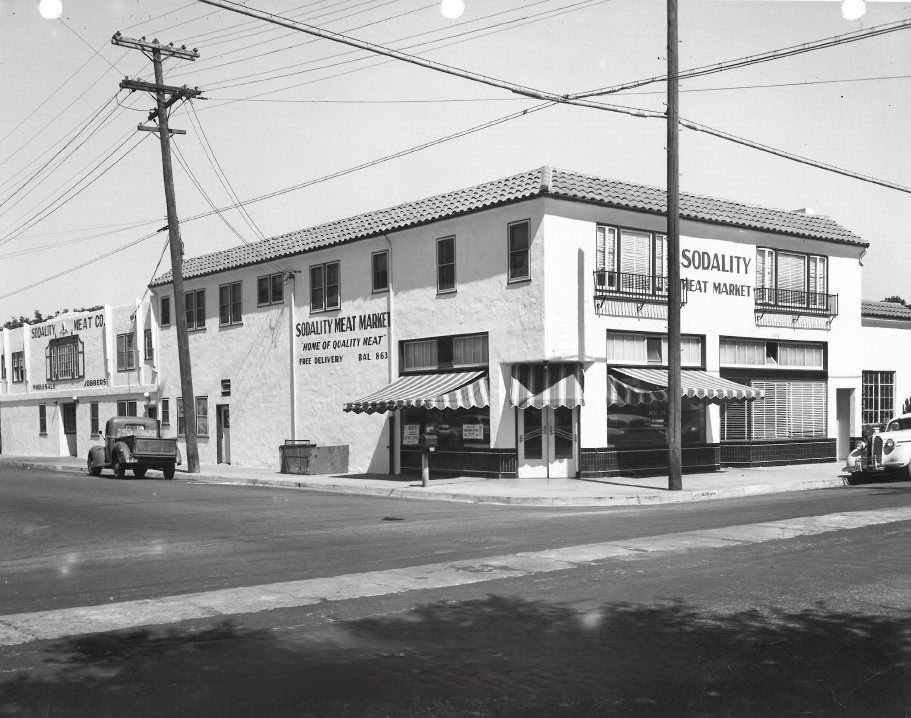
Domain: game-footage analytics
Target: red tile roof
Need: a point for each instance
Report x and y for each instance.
(884, 310)
(541, 182)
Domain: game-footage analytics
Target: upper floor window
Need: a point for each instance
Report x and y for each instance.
(380, 271)
(446, 264)
(645, 349)
(270, 289)
(126, 352)
(148, 347)
(772, 353)
(791, 279)
(630, 260)
(518, 251)
(229, 304)
(196, 309)
(164, 315)
(324, 287)
(64, 358)
(18, 367)
(450, 352)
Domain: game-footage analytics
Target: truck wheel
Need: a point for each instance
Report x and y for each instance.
(168, 472)
(119, 466)
(139, 473)
(92, 469)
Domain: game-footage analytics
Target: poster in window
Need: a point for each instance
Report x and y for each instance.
(411, 434)
(472, 432)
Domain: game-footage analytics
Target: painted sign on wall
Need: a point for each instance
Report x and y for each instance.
(729, 274)
(355, 337)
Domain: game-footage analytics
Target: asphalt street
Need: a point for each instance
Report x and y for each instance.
(789, 603)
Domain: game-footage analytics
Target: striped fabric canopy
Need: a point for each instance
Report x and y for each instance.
(455, 390)
(541, 385)
(630, 387)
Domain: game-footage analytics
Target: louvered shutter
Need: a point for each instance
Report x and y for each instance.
(817, 274)
(769, 414)
(792, 279)
(806, 409)
(733, 421)
(636, 260)
(660, 263)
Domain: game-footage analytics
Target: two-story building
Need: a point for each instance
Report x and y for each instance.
(61, 379)
(520, 327)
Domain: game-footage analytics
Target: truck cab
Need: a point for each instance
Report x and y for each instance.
(134, 443)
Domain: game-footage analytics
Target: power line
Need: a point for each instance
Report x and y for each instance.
(767, 56)
(86, 43)
(69, 242)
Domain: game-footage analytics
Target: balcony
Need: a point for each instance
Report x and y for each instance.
(639, 288)
(789, 301)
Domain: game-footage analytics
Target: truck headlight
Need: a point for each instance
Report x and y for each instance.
(888, 446)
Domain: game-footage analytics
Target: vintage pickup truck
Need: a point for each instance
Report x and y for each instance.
(134, 442)
(887, 450)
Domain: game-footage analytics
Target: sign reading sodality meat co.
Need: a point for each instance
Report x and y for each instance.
(68, 326)
(734, 271)
(355, 337)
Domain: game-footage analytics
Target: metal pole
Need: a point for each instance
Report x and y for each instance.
(674, 448)
(176, 247)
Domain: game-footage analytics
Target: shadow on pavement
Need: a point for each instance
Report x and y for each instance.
(497, 656)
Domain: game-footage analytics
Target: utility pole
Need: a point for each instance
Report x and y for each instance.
(674, 400)
(166, 96)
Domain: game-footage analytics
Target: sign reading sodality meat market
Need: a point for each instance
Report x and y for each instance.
(355, 337)
(727, 273)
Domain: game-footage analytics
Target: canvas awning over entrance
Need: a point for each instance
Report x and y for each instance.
(630, 387)
(454, 390)
(540, 385)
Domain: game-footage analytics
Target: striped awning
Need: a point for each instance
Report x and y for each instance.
(541, 385)
(455, 390)
(630, 387)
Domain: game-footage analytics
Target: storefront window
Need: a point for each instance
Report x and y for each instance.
(455, 429)
(645, 426)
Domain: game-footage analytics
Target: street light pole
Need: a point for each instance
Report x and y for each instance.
(674, 401)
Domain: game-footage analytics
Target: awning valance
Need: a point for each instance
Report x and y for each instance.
(630, 387)
(454, 390)
(541, 385)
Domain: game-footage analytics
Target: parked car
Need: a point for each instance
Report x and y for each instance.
(135, 443)
(887, 450)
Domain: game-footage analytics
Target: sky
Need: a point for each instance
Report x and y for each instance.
(281, 109)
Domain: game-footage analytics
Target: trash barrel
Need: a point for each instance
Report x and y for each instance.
(295, 456)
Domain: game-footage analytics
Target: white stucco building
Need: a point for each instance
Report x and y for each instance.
(519, 327)
(60, 380)
(521, 323)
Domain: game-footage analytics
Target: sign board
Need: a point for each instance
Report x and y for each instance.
(473, 432)
(411, 434)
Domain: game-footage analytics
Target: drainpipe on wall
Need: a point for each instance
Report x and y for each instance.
(394, 463)
(293, 369)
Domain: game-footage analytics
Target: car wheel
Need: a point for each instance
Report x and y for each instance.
(119, 466)
(91, 468)
(139, 473)
(168, 472)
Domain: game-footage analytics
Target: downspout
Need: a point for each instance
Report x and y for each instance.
(394, 456)
(293, 370)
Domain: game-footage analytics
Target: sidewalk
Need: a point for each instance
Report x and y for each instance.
(616, 491)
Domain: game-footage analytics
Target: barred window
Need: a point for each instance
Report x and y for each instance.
(877, 396)
(64, 358)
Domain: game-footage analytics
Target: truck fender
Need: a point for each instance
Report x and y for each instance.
(124, 450)
(96, 454)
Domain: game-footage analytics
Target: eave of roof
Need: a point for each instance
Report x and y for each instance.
(541, 182)
(884, 310)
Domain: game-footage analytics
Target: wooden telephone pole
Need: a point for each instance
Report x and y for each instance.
(166, 96)
(674, 401)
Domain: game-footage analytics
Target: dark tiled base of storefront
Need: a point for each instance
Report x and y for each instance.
(777, 453)
(615, 462)
(488, 463)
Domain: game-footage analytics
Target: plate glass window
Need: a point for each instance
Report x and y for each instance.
(229, 304)
(518, 251)
(446, 264)
(126, 352)
(380, 271)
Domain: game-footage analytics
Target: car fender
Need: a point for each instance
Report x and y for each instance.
(96, 455)
(124, 449)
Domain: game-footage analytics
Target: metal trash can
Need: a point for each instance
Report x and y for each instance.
(295, 456)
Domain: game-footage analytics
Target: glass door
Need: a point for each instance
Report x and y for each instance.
(548, 442)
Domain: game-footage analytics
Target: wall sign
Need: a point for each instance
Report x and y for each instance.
(346, 338)
(411, 434)
(737, 267)
(65, 328)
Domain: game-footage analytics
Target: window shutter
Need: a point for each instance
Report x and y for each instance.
(806, 409)
(661, 262)
(733, 420)
(636, 260)
(792, 278)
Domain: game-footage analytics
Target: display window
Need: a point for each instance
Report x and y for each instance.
(455, 429)
(645, 426)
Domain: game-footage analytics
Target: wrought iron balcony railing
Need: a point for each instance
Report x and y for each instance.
(633, 287)
(790, 301)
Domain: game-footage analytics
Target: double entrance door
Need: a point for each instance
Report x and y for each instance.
(548, 442)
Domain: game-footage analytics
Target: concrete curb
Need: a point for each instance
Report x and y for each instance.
(411, 491)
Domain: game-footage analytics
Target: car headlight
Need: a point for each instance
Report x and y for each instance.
(888, 446)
